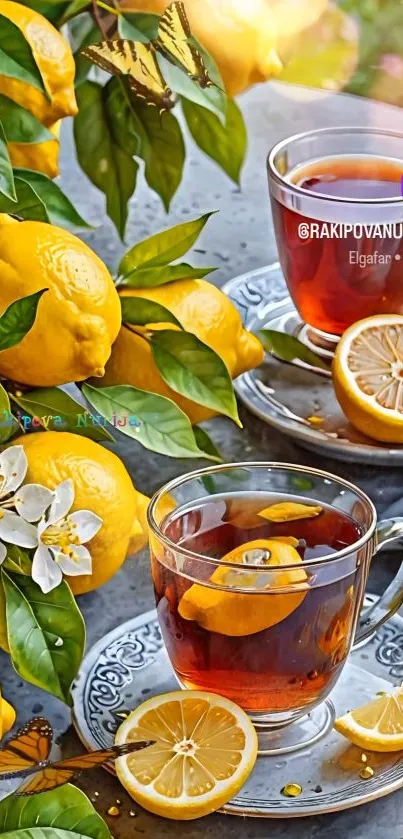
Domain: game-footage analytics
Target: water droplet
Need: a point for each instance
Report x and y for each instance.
(291, 790)
(364, 758)
(113, 811)
(366, 773)
(318, 788)
(59, 642)
(132, 814)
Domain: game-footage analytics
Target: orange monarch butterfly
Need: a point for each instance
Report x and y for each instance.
(26, 755)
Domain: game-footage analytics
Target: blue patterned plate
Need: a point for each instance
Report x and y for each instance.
(284, 395)
(130, 665)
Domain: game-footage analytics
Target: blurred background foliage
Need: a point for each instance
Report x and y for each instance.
(353, 45)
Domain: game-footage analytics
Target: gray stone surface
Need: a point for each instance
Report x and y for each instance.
(238, 239)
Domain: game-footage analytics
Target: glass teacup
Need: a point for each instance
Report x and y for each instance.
(259, 572)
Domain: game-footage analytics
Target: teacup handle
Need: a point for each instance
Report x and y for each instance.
(388, 532)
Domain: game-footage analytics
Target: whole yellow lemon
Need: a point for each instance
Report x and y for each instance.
(78, 318)
(102, 485)
(54, 60)
(201, 308)
(42, 157)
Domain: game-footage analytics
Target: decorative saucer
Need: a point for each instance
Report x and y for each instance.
(130, 665)
(286, 396)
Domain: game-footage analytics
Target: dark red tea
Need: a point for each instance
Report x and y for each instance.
(336, 277)
(298, 657)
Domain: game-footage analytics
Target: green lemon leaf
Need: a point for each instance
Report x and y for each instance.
(18, 319)
(179, 81)
(140, 130)
(74, 8)
(8, 424)
(141, 312)
(288, 348)
(56, 410)
(36, 623)
(3, 620)
(16, 57)
(206, 444)
(82, 32)
(152, 277)
(163, 427)
(105, 163)
(59, 209)
(194, 370)
(162, 248)
(41, 833)
(66, 808)
(7, 187)
(128, 29)
(28, 204)
(21, 125)
(143, 23)
(225, 144)
(162, 148)
(17, 561)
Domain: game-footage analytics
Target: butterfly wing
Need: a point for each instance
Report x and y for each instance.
(31, 745)
(62, 771)
(50, 777)
(137, 62)
(173, 39)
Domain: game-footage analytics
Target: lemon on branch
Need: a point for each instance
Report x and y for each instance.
(54, 60)
(102, 485)
(205, 311)
(78, 317)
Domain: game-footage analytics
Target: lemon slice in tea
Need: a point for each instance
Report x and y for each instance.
(205, 749)
(368, 376)
(376, 726)
(239, 613)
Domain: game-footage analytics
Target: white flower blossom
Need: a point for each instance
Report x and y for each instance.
(60, 540)
(29, 501)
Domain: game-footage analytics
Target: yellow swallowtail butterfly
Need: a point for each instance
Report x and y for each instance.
(173, 40)
(136, 62)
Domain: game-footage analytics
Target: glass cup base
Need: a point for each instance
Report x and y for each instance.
(291, 737)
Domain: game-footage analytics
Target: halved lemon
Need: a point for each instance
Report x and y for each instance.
(376, 726)
(238, 613)
(205, 749)
(368, 376)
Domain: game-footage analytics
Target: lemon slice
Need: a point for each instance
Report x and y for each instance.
(368, 376)
(290, 511)
(205, 749)
(239, 613)
(376, 726)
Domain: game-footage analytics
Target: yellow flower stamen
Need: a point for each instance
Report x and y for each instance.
(60, 535)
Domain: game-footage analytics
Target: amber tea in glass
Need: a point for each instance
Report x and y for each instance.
(337, 203)
(259, 573)
(291, 662)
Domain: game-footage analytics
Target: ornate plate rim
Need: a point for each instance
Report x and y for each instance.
(310, 438)
(234, 809)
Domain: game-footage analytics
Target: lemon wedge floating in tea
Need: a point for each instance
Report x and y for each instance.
(239, 613)
(376, 726)
(205, 749)
(290, 511)
(368, 376)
